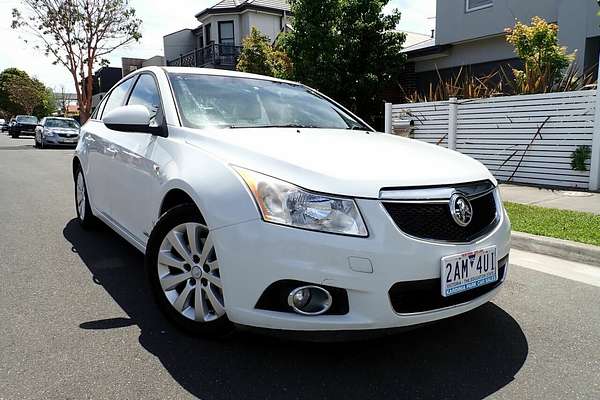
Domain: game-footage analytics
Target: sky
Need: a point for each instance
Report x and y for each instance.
(159, 18)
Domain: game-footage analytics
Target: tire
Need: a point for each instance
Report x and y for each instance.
(84, 211)
(186, 281)
(36, 144)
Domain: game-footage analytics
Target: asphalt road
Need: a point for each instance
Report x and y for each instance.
(77, 321)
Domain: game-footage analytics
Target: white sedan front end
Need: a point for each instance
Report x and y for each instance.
(262, 203)
(389, 279)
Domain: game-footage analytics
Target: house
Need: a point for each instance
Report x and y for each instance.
(217, 41)
(471, 33)
(128, 65)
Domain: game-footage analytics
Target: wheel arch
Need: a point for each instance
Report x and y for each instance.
(76, 164)
(175, 197)
(220, 199)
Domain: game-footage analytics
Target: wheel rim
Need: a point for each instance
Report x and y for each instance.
(80, 196)
(188, 272)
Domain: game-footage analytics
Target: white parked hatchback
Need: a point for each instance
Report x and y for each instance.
(262, 203)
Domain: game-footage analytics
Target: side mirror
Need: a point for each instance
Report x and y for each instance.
(134, 118)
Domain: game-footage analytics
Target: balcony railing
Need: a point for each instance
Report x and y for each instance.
(214, 55)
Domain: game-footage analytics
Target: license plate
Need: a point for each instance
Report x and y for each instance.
(466, 271)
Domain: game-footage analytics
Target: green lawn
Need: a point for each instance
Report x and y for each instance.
(562, 224)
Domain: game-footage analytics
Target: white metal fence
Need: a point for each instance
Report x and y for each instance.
(525, 139)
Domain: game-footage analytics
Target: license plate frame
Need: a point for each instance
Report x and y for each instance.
(467, 271)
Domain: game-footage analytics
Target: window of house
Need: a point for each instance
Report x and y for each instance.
(207, 34)
(473, 5)
(226, 33)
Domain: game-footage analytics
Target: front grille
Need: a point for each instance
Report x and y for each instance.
(426, 295)
(67, 135)
(433, 220)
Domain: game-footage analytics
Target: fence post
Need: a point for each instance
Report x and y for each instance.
(388, 118)
(452, 117)
(594, 183)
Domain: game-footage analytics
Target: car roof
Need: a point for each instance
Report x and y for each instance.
(213, 72)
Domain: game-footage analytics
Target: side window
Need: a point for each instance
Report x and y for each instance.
(96, 111)
(100, 107)
(43, 121)
(145, 93)
(117, 96)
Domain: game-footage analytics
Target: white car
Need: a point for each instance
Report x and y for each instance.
(262, 203)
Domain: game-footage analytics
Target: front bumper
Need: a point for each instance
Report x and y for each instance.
(23, 129)
(59, 141)
(255, 254)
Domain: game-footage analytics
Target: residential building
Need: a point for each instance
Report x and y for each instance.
(470, 33)
(128, 65)
(216, 42)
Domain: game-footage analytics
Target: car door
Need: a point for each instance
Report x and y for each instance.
(137, 179)
(101, 150)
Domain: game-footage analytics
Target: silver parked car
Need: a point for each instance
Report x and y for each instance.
(57, 131)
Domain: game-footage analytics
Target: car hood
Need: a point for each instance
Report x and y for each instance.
(343, 162)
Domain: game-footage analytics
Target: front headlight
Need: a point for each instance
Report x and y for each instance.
(282, 203)
(48, 132)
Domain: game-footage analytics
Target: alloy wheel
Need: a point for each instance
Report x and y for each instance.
(188, 272)
(80, 195)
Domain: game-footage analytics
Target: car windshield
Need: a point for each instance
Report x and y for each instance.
(27, 119)
(62, 123)
(234, 102)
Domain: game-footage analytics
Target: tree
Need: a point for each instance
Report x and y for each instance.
(21, 94)
(254, 57)
(259, 57)
(348, 49)
(79, 34)
(545, 61)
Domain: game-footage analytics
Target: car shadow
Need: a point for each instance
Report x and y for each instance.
(466, 357)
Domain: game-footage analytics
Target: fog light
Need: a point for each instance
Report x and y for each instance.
(310, 300)
(301, 298)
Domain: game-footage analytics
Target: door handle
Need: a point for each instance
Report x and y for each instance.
(112, 151)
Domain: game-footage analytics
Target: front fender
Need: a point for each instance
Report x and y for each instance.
(216, 189)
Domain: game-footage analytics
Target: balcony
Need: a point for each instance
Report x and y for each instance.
(212, 56)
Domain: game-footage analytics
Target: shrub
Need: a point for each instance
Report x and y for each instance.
(259, 57)
(544, 59)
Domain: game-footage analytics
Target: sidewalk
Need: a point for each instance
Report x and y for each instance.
(561, 199)
(557, 199)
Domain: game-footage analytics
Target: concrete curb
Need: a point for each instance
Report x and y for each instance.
(565, 249)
